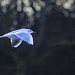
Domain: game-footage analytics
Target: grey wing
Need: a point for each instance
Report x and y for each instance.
(15, 41)
(1, 36)
(25, 36)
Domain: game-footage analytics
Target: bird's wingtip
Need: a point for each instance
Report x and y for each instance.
(31, 44)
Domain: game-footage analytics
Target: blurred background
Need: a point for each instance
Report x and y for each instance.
(53, 52)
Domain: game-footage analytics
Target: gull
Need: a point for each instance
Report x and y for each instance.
(17, 36)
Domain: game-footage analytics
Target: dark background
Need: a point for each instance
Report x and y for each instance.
(53, 52)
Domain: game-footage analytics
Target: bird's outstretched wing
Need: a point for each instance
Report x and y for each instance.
(15, 41)
(1, 36)
(25, 36)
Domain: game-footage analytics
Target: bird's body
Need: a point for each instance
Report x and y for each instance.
(17, 36)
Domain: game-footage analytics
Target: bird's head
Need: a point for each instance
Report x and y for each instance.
(30, 31)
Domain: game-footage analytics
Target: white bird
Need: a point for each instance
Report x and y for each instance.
(17, 36)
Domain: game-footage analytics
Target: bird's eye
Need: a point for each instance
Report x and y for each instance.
(29, 30)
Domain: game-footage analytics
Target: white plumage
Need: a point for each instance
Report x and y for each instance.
(17, 36)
